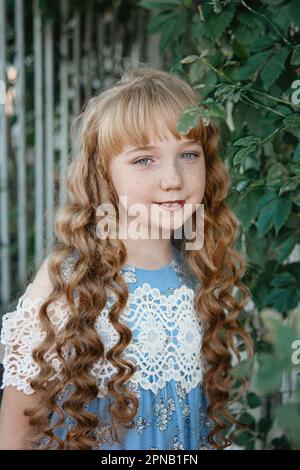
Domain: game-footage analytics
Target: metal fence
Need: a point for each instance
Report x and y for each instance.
(49, 67)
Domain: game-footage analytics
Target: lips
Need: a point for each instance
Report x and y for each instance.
(181, 202)
(171, 206)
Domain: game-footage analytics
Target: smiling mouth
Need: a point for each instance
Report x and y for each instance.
(173, 205)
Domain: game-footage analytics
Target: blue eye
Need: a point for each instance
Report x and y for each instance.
(142, 159)
(138, 162)
(191, 153)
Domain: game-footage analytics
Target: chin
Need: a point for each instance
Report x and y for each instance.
(166, 227)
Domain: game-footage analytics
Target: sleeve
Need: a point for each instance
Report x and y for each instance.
(21, 330)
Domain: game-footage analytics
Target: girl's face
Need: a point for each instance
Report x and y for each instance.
(168, 170)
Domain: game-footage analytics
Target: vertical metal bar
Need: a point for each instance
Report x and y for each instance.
(118, 69)
(21, 141)
(49, 130)
(76, 63)
(113, 30)
(76, 73)
(63, 101)
(38, 129)
(87, 52)
(154, 58)
(4, 203)
(100, 45)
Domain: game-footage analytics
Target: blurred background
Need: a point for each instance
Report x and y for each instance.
(243, 58)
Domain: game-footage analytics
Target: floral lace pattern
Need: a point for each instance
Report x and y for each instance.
(165, 348)
(166, 342)
(20, 334)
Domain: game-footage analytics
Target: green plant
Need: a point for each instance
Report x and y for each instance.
(242, 58)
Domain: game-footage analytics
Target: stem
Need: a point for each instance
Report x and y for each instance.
(271, 135)
(255, 103)
(222, 74)
(279, 100)
(268, 21)
(219, 72)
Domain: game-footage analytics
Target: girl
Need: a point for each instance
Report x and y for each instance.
(126, 343)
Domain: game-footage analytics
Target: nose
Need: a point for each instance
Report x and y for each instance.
(171, 177)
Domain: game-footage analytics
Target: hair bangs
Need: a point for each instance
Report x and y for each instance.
(137, 116)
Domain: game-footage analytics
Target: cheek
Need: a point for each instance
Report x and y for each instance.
(141, 189)
(196, 181)
(134, 190)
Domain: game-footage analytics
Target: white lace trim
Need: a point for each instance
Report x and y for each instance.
(166, 342)
(20, 334)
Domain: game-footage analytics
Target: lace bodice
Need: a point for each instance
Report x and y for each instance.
(167, 333)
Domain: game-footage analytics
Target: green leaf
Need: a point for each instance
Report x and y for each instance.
(284, 279)
(242, 154)
(274, 2)
(216, 24)
(276, 174)
(245, 141)
(217, 110)
(157, 23)
(268, 377)
(288, 416)
(196, 72)
(248, 19)
(274, 67)
(252, 65)
(225, 92)
(253, 400)
(153, 4)
(294, 10)
(256, 252)
(275, 213)
(173, 31)
(267, 198)
(265, 221)
(244, 438)
(283, 341)
(281, 212)
(286, 248)
(296, 155)
(247, 207)
(242, 369)
(167, 34)
(296, 197)
(261, 43)
(189, 119)
(189, 59)
(289, 185)
(264, 425)
(282, 299)
(292, 124)
(295, 59)
(294, 167)
(281, 16)
(248, 419)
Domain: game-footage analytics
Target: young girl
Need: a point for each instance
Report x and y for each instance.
(127, 343)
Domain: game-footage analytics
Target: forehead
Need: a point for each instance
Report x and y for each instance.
(133, 127)
(158, 134)
(154, 145)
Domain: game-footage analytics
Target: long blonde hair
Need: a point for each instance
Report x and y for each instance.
(120, 115)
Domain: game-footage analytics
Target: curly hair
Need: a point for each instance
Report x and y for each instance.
(117, 116)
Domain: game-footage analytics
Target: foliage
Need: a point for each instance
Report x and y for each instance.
(242, 58)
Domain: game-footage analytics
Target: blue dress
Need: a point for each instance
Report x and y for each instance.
(166, 349)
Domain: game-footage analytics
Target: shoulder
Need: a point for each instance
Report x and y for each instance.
(22, 330)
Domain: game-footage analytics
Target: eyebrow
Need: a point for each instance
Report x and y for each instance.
(152, 147)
